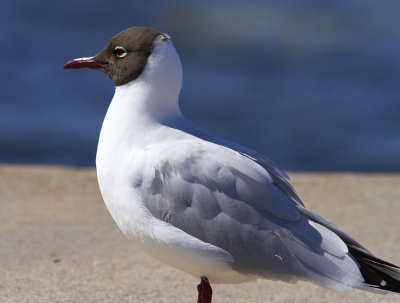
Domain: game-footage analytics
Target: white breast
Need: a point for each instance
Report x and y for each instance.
(117, 169)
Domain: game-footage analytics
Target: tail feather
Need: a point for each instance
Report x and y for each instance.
(378, 274)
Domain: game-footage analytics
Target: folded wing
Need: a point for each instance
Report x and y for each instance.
(230, 200)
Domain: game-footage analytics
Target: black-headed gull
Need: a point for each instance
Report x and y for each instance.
(208, 207)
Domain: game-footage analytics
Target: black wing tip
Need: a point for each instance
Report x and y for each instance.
(378, 274)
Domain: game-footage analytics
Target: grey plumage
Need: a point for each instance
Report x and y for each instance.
(224, 198)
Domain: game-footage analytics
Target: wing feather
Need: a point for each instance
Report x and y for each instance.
(234, 202)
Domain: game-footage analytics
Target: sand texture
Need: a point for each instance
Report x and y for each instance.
(58, 242)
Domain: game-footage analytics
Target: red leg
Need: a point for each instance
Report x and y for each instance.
(205, 291)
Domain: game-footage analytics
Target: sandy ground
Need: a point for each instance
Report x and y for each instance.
(59, 244)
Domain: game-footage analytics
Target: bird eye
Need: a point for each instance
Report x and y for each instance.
(120, 52)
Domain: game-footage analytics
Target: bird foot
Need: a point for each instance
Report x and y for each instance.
(205, 291)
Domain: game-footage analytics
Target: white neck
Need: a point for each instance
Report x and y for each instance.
(142, 105)
(154, 94)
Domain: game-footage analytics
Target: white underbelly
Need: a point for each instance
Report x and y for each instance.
(159, 239)
(175, 248)
(163, 241)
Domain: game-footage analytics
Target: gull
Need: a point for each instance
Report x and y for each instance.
(211, 208)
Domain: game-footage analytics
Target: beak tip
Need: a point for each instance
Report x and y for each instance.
(73, 64)
(66, 66)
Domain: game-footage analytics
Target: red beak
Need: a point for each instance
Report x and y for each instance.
(89, 62)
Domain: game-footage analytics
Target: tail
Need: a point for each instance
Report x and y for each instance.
(378, 274)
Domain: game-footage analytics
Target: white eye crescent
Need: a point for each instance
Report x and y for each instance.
(120, 52)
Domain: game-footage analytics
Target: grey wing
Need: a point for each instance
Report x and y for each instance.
(279, 177)
(226, 199)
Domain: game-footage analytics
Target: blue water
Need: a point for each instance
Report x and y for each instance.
(313, 85)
